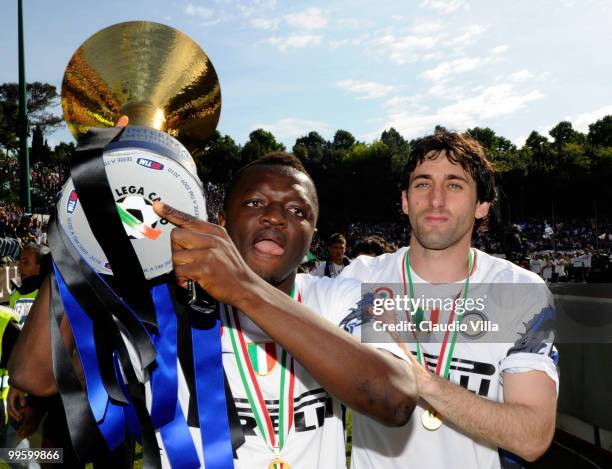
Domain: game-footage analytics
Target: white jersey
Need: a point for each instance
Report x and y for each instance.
(316, 438)
(478, 367)
(559, 267)
(536, 266)
(586, 260)
(576, 262)
(334, 269)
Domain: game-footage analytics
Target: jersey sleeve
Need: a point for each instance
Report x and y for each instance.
(359, 268)
(340, 300)
(334, 299)
(534, 327)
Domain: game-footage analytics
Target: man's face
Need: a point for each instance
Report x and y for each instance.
(441, 202)
(27, 264)
(271, 218)
(336, 252)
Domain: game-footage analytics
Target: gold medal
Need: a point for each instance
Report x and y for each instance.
(431, 420)
(279, 464)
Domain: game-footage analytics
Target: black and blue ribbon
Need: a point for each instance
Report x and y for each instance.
(142, 313)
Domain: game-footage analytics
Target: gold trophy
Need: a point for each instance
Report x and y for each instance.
(166, 85)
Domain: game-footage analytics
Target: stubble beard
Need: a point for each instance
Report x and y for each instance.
(438, 240)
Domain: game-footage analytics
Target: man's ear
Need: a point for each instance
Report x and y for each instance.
(482, 209)
(405, 202)
(221, 218)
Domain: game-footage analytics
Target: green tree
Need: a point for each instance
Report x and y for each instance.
(63, 152)
(260, 142)
(394, 141)
(40, 97)
(496, 146)
(399, 150)
(440, 128)
(538, 148)
(40, 149)
(343, 140)
(220, 159)
(311, 146)
(563, 133)
(600, 132)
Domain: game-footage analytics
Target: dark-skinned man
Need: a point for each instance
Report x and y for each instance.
(250, 262)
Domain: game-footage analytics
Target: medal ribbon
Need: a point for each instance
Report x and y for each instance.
(252, 389)
(441, 358)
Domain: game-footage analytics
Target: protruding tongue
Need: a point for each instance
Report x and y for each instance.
(269, 247)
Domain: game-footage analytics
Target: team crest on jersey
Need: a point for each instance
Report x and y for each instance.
(263, 357)
(475, 324)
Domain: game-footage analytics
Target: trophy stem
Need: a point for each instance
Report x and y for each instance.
(144, 114)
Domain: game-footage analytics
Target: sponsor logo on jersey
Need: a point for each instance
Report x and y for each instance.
(263, 357)
(473, 375)
(150, 164)
(311, 409)
(72, 202)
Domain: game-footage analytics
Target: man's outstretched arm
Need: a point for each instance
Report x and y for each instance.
(370, 381)
(523, 424)
(30, 365)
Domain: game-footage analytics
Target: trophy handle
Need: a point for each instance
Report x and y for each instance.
(202, 302)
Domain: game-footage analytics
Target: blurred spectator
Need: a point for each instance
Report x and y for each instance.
(336, 261)
(577, 267)
(18, 229)
(46, 181)
(535, 265)
(559, 263)
(33, 268)
(372, 246)
(214, 200)
(547, 269)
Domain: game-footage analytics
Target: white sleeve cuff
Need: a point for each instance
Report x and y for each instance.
(393, 348)
(523, 362)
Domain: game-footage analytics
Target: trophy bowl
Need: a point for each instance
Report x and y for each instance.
(165, 84)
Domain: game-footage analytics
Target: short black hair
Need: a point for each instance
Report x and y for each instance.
(372, 245)
(463, 150)
(43, 257)
(276, 158)
(336, 238)
(40, 251)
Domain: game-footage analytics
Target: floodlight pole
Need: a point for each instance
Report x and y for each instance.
(24, 157)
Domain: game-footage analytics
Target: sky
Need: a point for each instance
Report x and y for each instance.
(364, 66)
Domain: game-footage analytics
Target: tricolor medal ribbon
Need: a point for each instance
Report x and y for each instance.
(252, 389)
(431, 419)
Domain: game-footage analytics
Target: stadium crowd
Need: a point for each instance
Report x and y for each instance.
(17, 229)
(568, 249)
